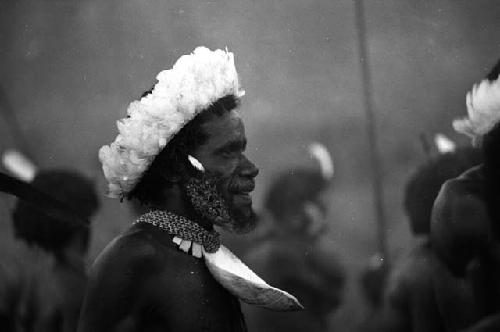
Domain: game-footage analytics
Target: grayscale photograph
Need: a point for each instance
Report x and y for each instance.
(249, 166)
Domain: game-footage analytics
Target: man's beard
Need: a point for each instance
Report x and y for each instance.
(208, 202)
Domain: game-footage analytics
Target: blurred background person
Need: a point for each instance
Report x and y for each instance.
(409, 302)
(465, 232)
(50, 269)
(290, 251)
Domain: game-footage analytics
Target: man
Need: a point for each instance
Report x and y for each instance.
(52, 273)
(410, 301)
(181, 152)
(293, 253)
(465, 231)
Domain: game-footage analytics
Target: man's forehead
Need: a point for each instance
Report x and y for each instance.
(225, 128)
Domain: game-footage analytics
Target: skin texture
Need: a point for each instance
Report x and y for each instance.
(143, 282)
(468, 247)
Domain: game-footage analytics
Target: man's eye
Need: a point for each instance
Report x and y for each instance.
(230, 153)
(227, 153)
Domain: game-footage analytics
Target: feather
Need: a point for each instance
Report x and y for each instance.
(19, 165)
(196, 163)
(444, 144)
(319, 152)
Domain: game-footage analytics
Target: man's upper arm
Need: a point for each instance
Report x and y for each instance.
(460, 226)
(114, 286)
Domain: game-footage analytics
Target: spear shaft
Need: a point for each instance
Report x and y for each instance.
(366, 80)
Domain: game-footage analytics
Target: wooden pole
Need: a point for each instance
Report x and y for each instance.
(366, 80)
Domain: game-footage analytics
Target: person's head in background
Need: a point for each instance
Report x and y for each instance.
(424, 184)
(295, 198)
(65, 240)
(294, 201)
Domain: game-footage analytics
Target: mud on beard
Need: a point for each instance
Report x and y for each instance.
(207, 201)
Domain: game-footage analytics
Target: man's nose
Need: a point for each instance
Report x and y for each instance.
(248, 168)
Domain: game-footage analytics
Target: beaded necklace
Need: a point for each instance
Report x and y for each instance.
(183, 228)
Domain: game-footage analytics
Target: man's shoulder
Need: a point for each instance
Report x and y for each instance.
(461, 196)
(471, 182)
(134, 249)
(144, 251)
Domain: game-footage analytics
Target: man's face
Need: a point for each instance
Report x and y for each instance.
(222, 156)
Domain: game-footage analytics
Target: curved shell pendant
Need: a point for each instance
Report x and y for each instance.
(243, 283)
(239, 280)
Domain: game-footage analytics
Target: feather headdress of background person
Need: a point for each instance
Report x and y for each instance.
(483, 109)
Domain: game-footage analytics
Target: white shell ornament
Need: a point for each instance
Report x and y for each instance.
(196, 163)
(242, 282)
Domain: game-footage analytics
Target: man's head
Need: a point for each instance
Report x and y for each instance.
(423, 186)
(52, 235)
(216, 138)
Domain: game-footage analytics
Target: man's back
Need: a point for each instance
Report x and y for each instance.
(142, 282)
(466, 241)
(410, 300)
(306, 269)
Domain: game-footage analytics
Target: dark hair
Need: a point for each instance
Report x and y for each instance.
(494, 72)
(52, 235)
(490, 145)
(291, 190)
(172, 159)
(423, 186)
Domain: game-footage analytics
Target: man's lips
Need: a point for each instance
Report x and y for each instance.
(242, 194)
(244, 189)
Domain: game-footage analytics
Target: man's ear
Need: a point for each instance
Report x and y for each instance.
(171, 178)
(175, 174)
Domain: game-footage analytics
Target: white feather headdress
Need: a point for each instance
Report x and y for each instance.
(483, 108)
(195, 82)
